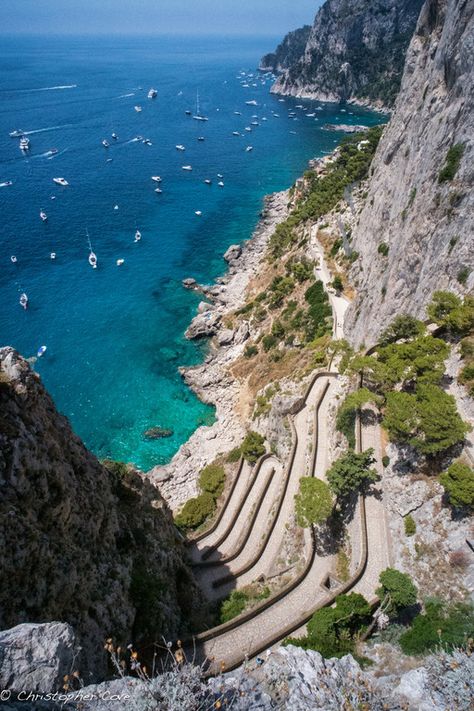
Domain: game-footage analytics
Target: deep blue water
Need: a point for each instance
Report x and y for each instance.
(114, 335)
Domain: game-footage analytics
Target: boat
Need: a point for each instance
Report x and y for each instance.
(16, 134)
(105, 143)
(120, 262)
(238, 113)
(197, 116)
(200, 138)
(41, 351)
(137, 109)
(13, 259)
(220, 176)
(43, 216)
(24, 300)
(6, 184)
(24, 143)
(115, 137)
(180, 147)
(235, 133)
(249, 148)
(116, 207)
(52, 255)
(220, 184)
(138, 236)
(152, 94)
(248, 129)
(92, 259)
(208, 182)
(158, 190)
(198, 213)
(60, 181)
(254, 123)
(187, 167)
(147, 142)
(252, 102)
(188, 112)
(156, 178)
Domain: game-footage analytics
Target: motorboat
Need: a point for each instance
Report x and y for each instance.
(147, 142)
(238, 113)
(24, 300)
(208, 182)
(219, 175)
(235, 133)
(43, 216)
(105, 143)
(248, 149)
(248, 129)
(188, 112)
(220, 184)
(197, 116)
(252, 102)
(120, 262)
(198, 213)
(254, 123)
(152, 94)
(138, 236)
(115, 137)
(13, 259)
(156, 178)
(187, 167)
(16, 134)
(92, 259)
(52, 255)
(116, 207)
(60, 181)
(24, 143)
(201, 138)
(41, 351)
(137, 109)
(158, 190)
(6, 184)
(180, 147)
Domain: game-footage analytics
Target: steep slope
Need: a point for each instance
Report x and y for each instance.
(355, 51)
(420, 203)
(81, 543)
(288, 52)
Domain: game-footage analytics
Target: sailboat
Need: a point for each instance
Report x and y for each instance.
(43, 216)
(138, 236)
(197, 116)
(92, 256)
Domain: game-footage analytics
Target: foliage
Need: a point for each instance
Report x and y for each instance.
(420, 361)
(196, 511)
(269, 341)
(337, 283)
(250, 351)
(383, 249)
(446, 626)
(451, 165)
(252, 447)
(396, 590)
(319, 315)
(233, 606)
(313, 503)
(385, 460)
(427, 420)
(212, 479)
(466, 377)
(346, 415)
(463, 275)
(351, 472)
(234, 455)
(403, 327)
(409, 525)
(301, 270)
(448, 310)
(458, 482)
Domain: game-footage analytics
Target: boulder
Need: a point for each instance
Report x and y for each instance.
(158, 433)
(189, 283)
(203, 325)
(225, 337)
(233, 253)
(242, 333)
(204, 306)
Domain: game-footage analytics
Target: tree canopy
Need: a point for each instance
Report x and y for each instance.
(403, 327)
(313, 503)
(458, 482)
(351, 472)
(396, 590)
(253, 446)
(448, 310)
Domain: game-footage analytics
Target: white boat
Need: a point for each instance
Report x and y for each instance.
(187, 167)
(238, 113)
(115, 137)
(24, 300)
(156, 178)
(41, 351)
(16, 134)
(198, 213)
(248, 129)
(6, 184)
(252, 102)
(147, 142)
(254, 123)
(152, 94)
(105, 143)
(92, 259)
(24, 143)
(116, 207)
(197, 116)
(180, 147)
(13, 259)
(120, 262)
(43, 216)
(138, 236)
(60, 181)
(219, 175)
(52, 255)
(200, 138)
(235, 133)
(208, 182)
(220, 184)
(188, 112)
(137, 109)
(53, 151)
(249, 148)
(158, 190)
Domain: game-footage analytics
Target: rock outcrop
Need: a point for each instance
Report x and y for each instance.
(423, 215)
(289, 51)
(355, 51)
(82, 543)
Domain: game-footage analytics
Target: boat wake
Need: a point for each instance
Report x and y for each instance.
(124, 96)
(48, 128)
(54, 88)
(50, 155)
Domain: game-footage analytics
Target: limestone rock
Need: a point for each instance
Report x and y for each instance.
(225, 337)
(233, 253)
(204, 306)
(203, 325)
(189, 283)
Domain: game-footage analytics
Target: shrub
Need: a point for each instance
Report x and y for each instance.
(403, 327)
(451, 165)
(233, 606)
(346, 415)
(319, 315)
(383, 249)
(396, 590)
(440, 626)
(313, 503)
(250, 351)
(253, 447)
(410, 525)
(196, 511)
(385, 461)
(351, 473)
(449, 311)
(337, 283)
(234, 455)
(212, 479)
(463, 275)
(458, 482)
(269, 341)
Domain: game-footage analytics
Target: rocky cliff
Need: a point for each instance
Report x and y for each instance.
(81, 542)
(288, 52)
(415, 233)
(355, 51)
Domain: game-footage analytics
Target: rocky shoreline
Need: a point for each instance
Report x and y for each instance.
(211, 380)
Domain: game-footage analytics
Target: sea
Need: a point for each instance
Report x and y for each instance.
(114, 335)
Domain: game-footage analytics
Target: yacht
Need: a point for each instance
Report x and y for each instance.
(138, 109)
(147, 142)
(138, 236)
(53, 151)
(43, 216)
(197, 116)
(60, 181)
(254, 123)
(24, 300)
(208, 182)
(248, 129)
(220, 184)
(52, 255)
(152, 94)
(16, 134)
(158, 190)
(115, 137)
(120, 262)
(6, 184)
(24, 143)
(252, 102)
(235, 133)
(156, 178)
(180, 147)
(105, 143)
(13, 259)
(187, 167)
(92, 259)
(249, 148)
(219, 175)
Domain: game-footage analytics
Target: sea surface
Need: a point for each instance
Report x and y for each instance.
(114, 335)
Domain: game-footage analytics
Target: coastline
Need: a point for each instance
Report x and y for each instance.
(211, 380)
(301, 93)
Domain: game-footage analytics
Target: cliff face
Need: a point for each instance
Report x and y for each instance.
(81, 543)
(289, 51)
(420, 202)
(355, 51)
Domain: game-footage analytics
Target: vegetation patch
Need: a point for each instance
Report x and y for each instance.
(458, 483)
(212, 479)
(441, 626)
(313, 503)
(451, 165)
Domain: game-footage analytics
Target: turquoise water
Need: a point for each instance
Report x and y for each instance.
(114, 335)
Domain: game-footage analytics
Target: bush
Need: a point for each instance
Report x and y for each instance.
(234, 455)
(351, 473)
(448, 310)
(233, 606)
(463, 275)
(269, 341)
(383, 249)
(458, 482)
(385, 461)
(337, 283)
(403, 327)
(313, 503)
(443, 626)
(346, 415)
(253, 447)
(396, 590)
(410, 525)
(196, 511)
(319, 315)
(453, 159)
(212, 479)
(250, 351)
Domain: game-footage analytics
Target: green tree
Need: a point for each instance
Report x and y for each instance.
(233, 606)
(351, 473)
(212, 479)
(400, 418)
(313, 503)
(420, 361)
(448, 310)
(195, 511)
(337, 283)
(396, 591)
(346, 415)
(458, 482)
(443, 626)
(403, 327)
(253, 446)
